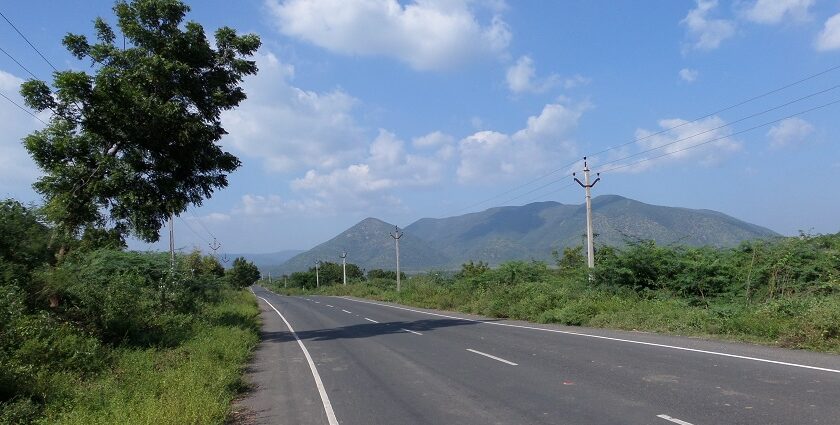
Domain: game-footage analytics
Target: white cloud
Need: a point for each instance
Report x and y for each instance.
(576, 81)
(489, 156)
(789, 132)
(260, 206)
(17, 170)
(829, 37)
(707, 34)
(521, 78)
(774, 11)
(689, 75)
(289, 128)
(426, 34)
(713, 143)
(358, 186)
(432, 140)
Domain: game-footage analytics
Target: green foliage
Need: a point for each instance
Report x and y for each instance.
(472, 269)
(108, 302)
(384, 274)
(25, 244)
(137, 139)
(784, 292)
(243, 273)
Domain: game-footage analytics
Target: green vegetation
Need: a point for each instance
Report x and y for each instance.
(137, 140)
(90, 333)
(107, 336)
(784, 292)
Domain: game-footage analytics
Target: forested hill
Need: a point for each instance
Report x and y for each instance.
(526, 232)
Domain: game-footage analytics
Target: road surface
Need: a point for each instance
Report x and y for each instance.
(353, 361)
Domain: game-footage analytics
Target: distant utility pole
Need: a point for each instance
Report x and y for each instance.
(172, 241)
(590, 242)
(344, 266)
(269, 278)
(285, 281)
(317, 278)
(215, 245)
(397, 235)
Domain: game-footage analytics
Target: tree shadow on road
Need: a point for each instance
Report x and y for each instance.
(365, 330)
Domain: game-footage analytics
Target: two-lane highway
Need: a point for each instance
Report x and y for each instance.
(355, 361)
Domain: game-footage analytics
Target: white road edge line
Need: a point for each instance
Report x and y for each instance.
(346, 311)
(371, 320)
(629, 341)
(492, 357)
(325, 399)
(674, 420)
(414, 332)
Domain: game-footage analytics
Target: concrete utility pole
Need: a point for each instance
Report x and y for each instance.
(215, 245)
(317, 278)
(397, 235)
(172, 241)
(590, 242)
(269, 278)
(344, 266)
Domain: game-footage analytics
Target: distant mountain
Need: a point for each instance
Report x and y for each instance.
(266, 261)
(526, 232)
(534, 230)
(369, 245)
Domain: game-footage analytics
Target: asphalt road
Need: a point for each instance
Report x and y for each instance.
(354, 361)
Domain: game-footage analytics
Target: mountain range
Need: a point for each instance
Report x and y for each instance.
(530, 231)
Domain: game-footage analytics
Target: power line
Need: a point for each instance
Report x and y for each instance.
(22, 108)
(721, 138)
(729, 124)
(203, 226)
(18, 63)
(561, 188)
(741, 103)
(193, 230)
(29, 42)
(733, 106)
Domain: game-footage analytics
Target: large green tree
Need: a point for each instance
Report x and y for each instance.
(137, 139)
(243, 273)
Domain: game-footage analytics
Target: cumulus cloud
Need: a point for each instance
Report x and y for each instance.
(521, 77)
(789, 132)
(387, 167)
(706, 142)
(289, 128)
(829, 37)
(426, 34)
(774, 11)
(689, 75)
(17, 170)
(488, 156)
(268, 205)
(707, 33)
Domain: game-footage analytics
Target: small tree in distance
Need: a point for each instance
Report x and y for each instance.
(243, 273)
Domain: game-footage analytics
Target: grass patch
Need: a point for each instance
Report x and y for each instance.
(192, 383)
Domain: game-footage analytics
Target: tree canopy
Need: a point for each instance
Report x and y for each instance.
(137, 139)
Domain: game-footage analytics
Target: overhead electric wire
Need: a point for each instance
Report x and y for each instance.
(733, 106)
(193, 230)
(551, 192)
(29, 42)
(18, 63)
(741, 103)
(729, 124)
(22, 108)
(720, 138)
(203, 226)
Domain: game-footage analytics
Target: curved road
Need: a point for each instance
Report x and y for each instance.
(353, 361)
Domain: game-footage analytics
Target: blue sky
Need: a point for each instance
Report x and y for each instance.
(403, 110)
